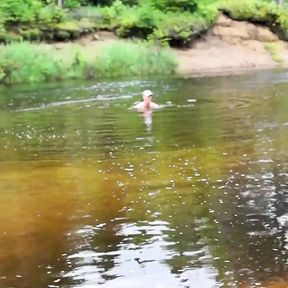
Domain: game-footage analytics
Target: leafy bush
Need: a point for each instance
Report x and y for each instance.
(264, 12)
(19, 10)
(149, 22)
(31, 34)
(7, 37)
(50, 14)
(175, 5)
(179, 29)
(72, 4)
(20, 13)
(139, 22)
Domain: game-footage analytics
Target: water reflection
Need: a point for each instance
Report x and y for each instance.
(93, 195)
(147, 115)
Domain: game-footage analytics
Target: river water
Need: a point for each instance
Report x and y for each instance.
(94, 194)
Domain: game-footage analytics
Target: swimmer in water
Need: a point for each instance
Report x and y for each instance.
(146, 104)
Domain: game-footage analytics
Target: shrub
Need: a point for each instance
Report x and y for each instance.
(7, 37)
(264, 12)
(31, 34)
(72, 4)
(111, 15)
(179, 29)
(139, 22)
(175, 5)
(50, 14)
(21, 14)
(149, 22)
(19, 10)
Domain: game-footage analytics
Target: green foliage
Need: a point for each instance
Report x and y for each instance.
(71, 29)
(50, 14)
(32, 34)
(274, 50)
(130, 58)
(18, 13)
(111, 14)
(264, 12)
(29, 11)
(149, 22)
(175, 5)
(177, 22)
(139, 22)
(181, 28)
(8, 37)
(72, 4)
(131, 2)
(25, 62)
(19, 10)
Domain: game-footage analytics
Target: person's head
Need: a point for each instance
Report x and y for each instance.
(147, 96)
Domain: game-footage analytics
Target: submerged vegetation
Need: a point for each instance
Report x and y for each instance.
(25, 62)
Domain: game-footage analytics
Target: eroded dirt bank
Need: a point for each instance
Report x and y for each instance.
(231, 47)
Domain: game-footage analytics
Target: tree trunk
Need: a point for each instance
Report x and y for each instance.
(280, 2)
(60, 3)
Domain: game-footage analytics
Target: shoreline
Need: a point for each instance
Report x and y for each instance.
(199, 63)
(230, 48)
(224, 71)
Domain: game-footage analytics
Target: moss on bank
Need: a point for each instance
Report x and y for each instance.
(25, 62)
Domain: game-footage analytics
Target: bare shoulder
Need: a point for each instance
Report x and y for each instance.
(139, 106)
(154, 105)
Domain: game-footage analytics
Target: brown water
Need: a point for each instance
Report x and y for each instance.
(93, 194)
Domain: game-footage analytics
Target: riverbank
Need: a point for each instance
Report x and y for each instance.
(230, 47)
(233, 47)
(125, 39)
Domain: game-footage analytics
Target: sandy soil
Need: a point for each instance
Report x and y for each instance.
(213, 55)
(233, 46)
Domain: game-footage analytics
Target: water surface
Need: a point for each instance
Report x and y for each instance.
(94, 194)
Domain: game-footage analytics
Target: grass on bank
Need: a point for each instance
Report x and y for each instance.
(26, 62)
